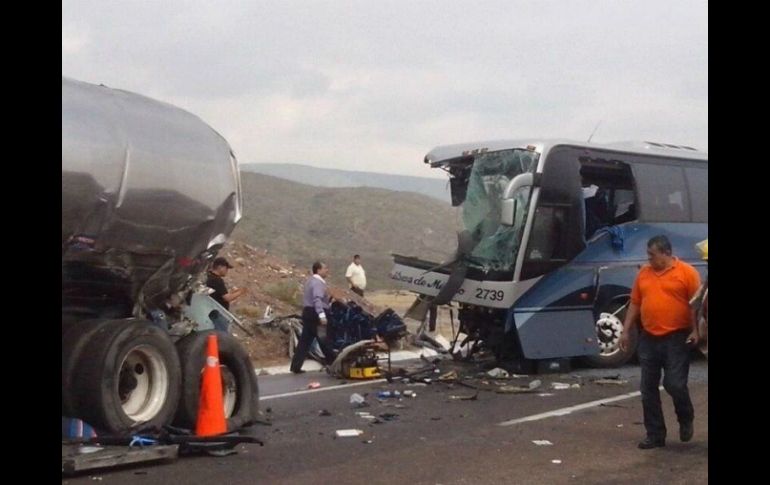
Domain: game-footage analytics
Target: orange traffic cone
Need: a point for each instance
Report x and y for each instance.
(211, 410)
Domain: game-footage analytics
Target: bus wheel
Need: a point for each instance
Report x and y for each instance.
(609, 326)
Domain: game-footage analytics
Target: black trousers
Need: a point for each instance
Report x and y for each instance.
(357, 291)
(670, 354)
(310, 322)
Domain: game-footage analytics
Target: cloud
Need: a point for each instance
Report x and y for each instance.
(73, 43)
(374, 86)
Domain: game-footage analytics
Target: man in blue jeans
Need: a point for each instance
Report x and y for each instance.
(661, 296)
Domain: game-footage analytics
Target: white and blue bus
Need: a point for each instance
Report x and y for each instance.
(551, 235)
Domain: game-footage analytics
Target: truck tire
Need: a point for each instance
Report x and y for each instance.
(239, 381)
(609, 326)
(131, 377)
(75, 336)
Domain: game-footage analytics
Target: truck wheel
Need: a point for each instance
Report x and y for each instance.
(75, 336)
(609, 326)
(131, 377)
(240, 391)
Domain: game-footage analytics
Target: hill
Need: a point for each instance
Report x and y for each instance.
(326, 177)
(302, 223)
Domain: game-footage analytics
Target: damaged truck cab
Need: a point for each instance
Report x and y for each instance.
(551, 235)
(150, 193)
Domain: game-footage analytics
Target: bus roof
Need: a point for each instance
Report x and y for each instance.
(448, 152)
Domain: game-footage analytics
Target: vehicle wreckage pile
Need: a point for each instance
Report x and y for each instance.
(269, 308)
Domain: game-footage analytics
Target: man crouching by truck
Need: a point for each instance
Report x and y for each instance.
(661, 295)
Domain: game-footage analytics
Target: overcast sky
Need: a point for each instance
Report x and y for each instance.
(365, 85)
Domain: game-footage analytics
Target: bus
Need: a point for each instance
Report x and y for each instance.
(551, 235)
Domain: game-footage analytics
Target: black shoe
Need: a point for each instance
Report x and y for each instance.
(651, 443)
(300, 371)
(685, 431)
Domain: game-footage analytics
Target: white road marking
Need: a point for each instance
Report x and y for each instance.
(568, 410)
(330, 388)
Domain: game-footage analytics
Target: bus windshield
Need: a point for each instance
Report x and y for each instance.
(495, 246)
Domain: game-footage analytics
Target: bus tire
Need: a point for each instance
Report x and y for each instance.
(609, 326)
(239, 380)
(131, 378)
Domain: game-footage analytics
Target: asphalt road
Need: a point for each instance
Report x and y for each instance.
(437, 438)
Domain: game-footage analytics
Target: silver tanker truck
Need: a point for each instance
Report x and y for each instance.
(150, 194)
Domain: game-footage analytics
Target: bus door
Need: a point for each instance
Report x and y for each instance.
(554, 318)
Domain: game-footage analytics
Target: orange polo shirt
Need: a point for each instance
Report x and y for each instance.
(664, 298)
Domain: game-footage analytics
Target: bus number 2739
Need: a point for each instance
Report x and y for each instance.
(491, 295)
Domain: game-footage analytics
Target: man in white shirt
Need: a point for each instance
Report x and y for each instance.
(356, 276)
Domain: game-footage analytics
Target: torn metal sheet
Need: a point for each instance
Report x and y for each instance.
(147, 188)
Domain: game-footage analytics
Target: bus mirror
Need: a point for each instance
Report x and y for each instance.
(507, 211)
(509, 206)
(516, 183)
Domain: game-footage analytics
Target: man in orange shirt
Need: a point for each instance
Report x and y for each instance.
(661, 295)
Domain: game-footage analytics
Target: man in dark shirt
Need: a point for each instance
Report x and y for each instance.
(215, 281)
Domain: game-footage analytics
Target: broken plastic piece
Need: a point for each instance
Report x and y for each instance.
(347, 433)
(357, 400)
(498, 373)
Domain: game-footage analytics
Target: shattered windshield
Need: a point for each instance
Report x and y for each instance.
(496, 245)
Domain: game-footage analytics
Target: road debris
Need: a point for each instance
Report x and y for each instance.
(498, 373)
(564, 385)
(449, 376)
(358, 401)
(542, 442)
(606, 405)
(388, 394)
(314, 385)
(520, 389)
(473, 397)
(348, 433)
(389, 416)
(611, 382)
